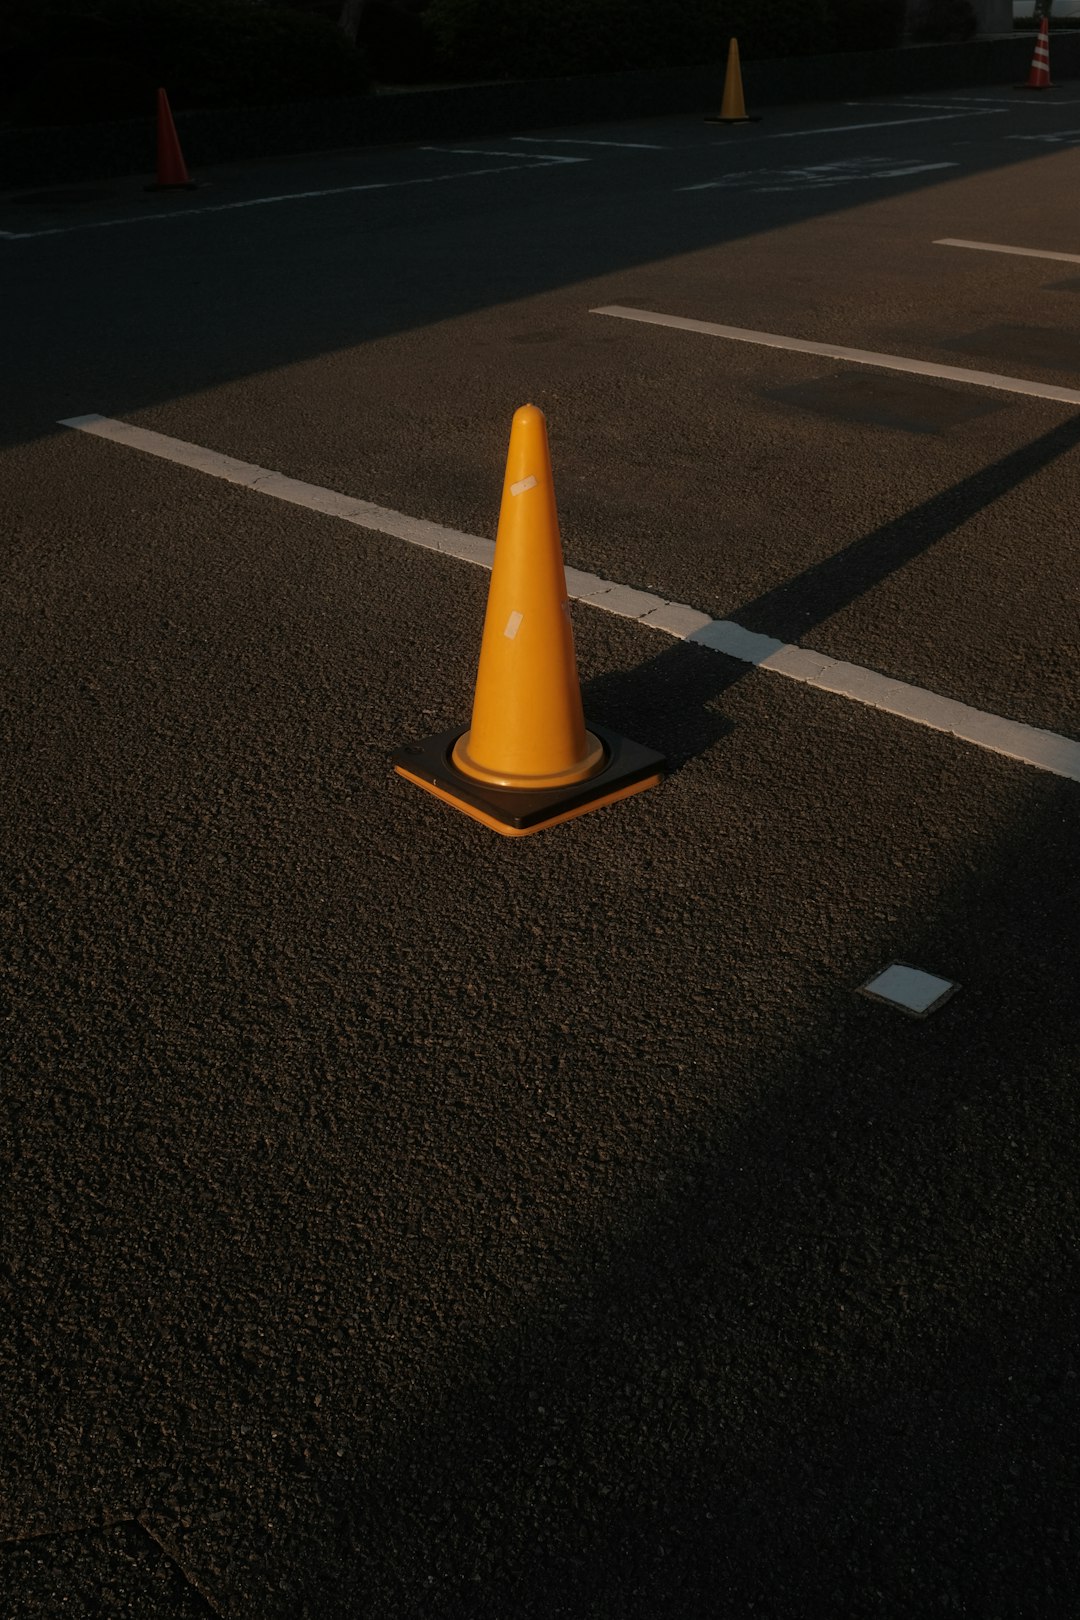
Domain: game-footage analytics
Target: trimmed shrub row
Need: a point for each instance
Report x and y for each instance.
(542, 38)
(74, 61)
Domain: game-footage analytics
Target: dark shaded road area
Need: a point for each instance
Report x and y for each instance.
(403, 1221)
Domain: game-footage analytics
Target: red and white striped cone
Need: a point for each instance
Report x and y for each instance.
(1039, 77)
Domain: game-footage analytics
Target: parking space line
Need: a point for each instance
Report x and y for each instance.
(999, 247)
(537, 162)
(1029, 745)
(836, 351)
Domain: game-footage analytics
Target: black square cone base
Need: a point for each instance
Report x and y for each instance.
(629, 768)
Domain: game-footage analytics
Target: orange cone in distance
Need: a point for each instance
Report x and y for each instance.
(733, 107)
(527, 761)
(172, 172)
(1039, 76)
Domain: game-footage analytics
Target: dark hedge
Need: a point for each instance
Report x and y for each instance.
(548, 38)
(72, 61)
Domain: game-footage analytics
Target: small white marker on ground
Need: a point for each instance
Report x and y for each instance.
(910, 989)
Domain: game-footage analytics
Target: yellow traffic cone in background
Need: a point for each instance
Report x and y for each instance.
(527, 760)
(733, 107)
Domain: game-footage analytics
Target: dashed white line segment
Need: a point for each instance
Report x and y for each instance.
(1045, 750)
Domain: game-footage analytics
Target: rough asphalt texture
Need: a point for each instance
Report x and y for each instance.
(402, 1221)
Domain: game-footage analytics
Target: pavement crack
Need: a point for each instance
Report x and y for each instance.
(144, 1521)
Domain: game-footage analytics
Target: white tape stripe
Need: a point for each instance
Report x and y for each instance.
(1045, 750)
(998, 247)
(523, 484)
(513, 625)
(836, 351)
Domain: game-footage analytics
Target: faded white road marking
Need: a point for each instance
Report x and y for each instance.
(913, 106)
(288, 196)
(490, 151)
(836, 351)
(999, 247)
(1045, 750)
(567, 140)
(1055, 137)
(913, 168)
(813, 177)
(885, 123)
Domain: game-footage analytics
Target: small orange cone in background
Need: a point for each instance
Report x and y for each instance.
(172, 172)
(733, 107)
(1039, 77)
(527, 761)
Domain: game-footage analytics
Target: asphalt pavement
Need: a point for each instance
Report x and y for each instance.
(400, 1220)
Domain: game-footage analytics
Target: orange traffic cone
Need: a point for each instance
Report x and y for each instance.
(1039, 77)
(733, 106)
(527, 761)
(172, 172)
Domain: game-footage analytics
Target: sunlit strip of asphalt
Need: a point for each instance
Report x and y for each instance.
(1045, 750)
(998, 247)
(836, 351)
(537, 162)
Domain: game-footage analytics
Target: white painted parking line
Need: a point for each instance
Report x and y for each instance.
(999, 247)
(1029, 745)
(885, 123)
(488, 151)
(1044, 749)
(836, 351)
(567, 140)
(538, 162)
